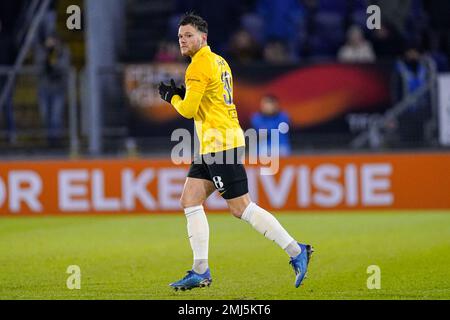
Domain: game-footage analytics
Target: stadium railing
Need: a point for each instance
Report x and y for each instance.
(375, 134)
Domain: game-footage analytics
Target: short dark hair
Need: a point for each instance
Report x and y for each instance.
(271, 97)
(195, 21)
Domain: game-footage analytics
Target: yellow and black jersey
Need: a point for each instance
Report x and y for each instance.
(209, 101)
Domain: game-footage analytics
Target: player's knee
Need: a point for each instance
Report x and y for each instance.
(238, 205)
(184, 202)
(187, 202)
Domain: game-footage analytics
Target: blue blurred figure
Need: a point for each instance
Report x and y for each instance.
(271, 117)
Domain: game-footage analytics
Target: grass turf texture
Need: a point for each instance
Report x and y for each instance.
(136, 257)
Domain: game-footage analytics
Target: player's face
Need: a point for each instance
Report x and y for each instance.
(269, 106)
(190, 39)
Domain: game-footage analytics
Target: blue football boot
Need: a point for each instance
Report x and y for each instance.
(300, 263)
(193, 280)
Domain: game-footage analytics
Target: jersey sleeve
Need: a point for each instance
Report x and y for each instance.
(198, 76)
(189, 106)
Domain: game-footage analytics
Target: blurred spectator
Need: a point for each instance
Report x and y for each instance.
(357, 49)
(270, 117)
(357, 13)
(387, 42)
(412, 72)
(276, 53)
(7, 59)
(308, 29)
(325, 28)
(281, 21)
(243, 48)
(48, 23)
(53, 60)
(168, 51)
(416, 22)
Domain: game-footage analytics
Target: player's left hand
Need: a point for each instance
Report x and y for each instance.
(168, 91)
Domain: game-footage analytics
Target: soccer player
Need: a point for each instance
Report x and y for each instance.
(208, 100)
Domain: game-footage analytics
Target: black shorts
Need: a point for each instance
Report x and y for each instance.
(224, 169)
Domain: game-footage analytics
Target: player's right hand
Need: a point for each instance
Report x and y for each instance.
(166, 92)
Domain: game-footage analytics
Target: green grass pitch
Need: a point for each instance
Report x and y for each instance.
(136, 257)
